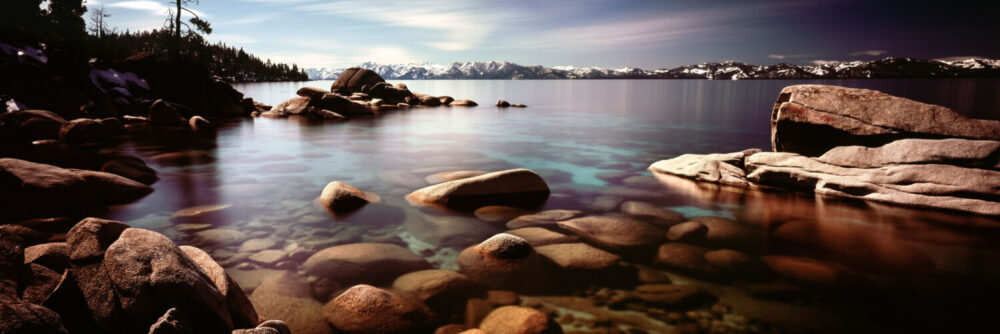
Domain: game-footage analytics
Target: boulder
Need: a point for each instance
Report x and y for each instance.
(113, 126)
(812, 119)
(933, 186)
(151, 274)
(547, 218)
(427, 100)
(311, 92)
(463, 103)
(164, 113)
(952, 151)
(293, 106)
(83, 130)
(444, 291)
(240, 309)
(38, 284)
(724, 169)
(727, 233)
(580, 265)
(340, 105)
(518, 320)
(87, 242)
(372, 263)
(38, 189)
(53, 255)
(538, 236)
(616, 234)
(367, 309)
(445, 100)
(651, 213)
(503, 261)
(503, 104)
(353, 79)
(131, 168)
(341, 197)
(32, 125)
(518, 188)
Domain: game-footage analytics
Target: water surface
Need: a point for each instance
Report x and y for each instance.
(909, 268)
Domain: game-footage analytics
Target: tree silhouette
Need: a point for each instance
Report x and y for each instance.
(175, 23)
(98, 27)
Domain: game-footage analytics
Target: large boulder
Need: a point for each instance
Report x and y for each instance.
(31, 189)
(812, 119)
(21, 317)
(87, 241)
(31, 125)
(580, 264)
(517, 187)
(370, 310)
(83, 130)
(373, 263)
(353, 79)
(293, 106)
(923, 185)
(151, 274)
(341, 197)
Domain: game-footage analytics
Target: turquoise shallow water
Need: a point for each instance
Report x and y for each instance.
(575, 134)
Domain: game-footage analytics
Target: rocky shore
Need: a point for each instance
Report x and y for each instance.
(862, 144)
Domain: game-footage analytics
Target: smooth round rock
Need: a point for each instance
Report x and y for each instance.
(518, 320)
(365, 309)
(373, 263)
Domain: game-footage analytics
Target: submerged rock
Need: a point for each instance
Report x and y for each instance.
(519, 320)
(517, 187)
(656, 215)
(365, 309)
(812, 119)
(616, 234)
(288, 298)
(538, 236)
(371, 263)
(547, 218)
(448, 231)
(463, 103)
(444, 291)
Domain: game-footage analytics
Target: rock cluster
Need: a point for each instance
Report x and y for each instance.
(857, 143)
(116, 279)
(356, 92)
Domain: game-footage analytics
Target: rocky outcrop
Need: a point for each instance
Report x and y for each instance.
(923, 185)
(812, 119)
(118, 279)
(30, 189)
(863, 144)
(517, 188)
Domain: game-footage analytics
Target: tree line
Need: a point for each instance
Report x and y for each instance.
(61, 26)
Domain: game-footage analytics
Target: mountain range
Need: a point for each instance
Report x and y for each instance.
(962, 67)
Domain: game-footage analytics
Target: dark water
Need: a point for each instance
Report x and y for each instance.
(907, 268)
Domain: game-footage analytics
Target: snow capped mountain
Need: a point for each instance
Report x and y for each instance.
(728, 70)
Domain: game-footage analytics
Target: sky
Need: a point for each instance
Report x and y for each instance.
(605, 33)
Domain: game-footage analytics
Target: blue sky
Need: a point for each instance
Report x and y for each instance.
(646, 34)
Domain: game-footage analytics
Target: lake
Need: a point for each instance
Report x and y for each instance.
(867, 267)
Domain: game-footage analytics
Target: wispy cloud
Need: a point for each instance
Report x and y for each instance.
(869, 53)
(789, 56)
(152, 7)
(462, 24)
(825, 62)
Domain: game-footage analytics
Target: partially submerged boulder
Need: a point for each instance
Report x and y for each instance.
(517, 188)
(724, 169)
(341, 197)
(503, 261)
(365, 309)
(354, 79)
(31, 189)
(812, 119)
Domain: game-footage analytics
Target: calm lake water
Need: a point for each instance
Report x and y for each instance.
(908, 269)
